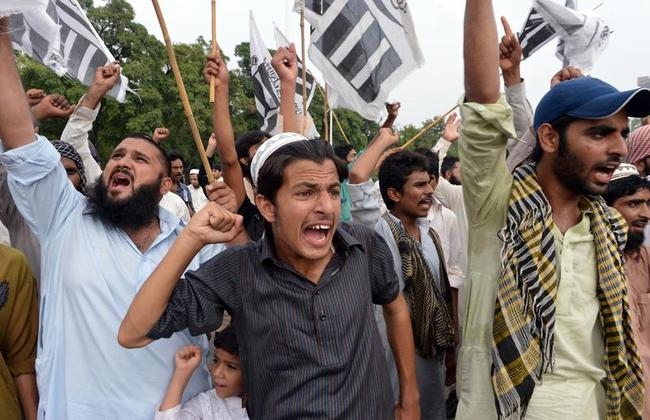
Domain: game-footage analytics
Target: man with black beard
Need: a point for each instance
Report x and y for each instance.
(95, 255)
(629, 193)
(547, 330)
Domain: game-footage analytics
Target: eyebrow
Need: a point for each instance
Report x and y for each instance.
(140, 154)
(606, 129)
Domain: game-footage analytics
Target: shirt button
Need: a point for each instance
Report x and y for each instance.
(323, 317)
(480, 108)
(317, 293)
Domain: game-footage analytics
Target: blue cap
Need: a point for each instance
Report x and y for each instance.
(590, 99)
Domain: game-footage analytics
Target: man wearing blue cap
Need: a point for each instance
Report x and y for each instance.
(547, 326)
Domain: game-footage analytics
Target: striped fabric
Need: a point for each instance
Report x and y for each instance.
(62, 38)
(524, 319)
(308, 351)
(429, 305)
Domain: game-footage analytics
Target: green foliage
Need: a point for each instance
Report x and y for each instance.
(427, 139)
(156, 102)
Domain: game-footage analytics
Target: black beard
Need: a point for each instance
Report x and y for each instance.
(130, 213)
(634, 241)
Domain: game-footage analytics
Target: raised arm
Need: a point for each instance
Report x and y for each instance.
(82, 120)
(481, 53)
(213, 224)
(223, 132)
(365, 164)
(285, 64)
(385, 138)
(16, 128)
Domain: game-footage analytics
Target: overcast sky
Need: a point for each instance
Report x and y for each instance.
(434, 88)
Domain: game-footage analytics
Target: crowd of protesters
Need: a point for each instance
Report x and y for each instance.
(317, 282)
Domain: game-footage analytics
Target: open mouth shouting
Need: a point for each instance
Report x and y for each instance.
(604, 172)
(119, 180)
(318, 234)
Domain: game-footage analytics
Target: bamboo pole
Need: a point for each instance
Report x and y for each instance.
(338, 124)
(326, 128)
(304, 61)
(336, 119)
(213, 80)
(428, 127)
(183, 93)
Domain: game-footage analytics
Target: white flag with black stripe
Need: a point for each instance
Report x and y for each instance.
(266, 83)
(585, 33)
(282, 41)
(62, 38)
(535, 34)
(561, 44)
(363, 48)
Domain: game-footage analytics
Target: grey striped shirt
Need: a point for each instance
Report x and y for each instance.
(307, 350)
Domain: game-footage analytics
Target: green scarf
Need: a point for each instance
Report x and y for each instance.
(524, 319)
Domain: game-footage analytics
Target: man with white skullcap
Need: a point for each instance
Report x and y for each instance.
(301, 298)
(629, 193)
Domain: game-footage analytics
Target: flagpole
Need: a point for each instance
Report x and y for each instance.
(331, 127)
(214, 46)
(428, 127)
(333, 114)
(183, 93)
(326, 128)
(304, 61)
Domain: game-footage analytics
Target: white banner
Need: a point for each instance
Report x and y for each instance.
(363, 48)
(585, 33)
(60, 36)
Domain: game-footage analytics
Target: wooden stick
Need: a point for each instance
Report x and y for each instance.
(428, 127)
(326, 128)
(183, 93)
(304, 62)
(213, 80)
(338, 124)
(336, 119)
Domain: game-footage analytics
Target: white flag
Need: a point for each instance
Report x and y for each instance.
(282, 41)
(61, 37)
(12, 7)
(363, 48)
(585, 33)
(266, 83)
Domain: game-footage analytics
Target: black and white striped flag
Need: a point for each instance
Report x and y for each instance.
(585, 33)
(266, 83)
(282, 41)
(363, 48)
(535, 34)
(561, 44)
(61, 37)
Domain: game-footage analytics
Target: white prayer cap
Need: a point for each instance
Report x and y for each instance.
(268, 148)
(194, 171)
(623, 171)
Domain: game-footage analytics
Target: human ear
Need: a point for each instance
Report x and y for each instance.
(165, 185)
(394, 195)
(548, 138)
(266, 208)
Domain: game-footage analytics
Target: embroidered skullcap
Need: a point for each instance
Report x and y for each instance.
(268, 148)
(623, 171)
